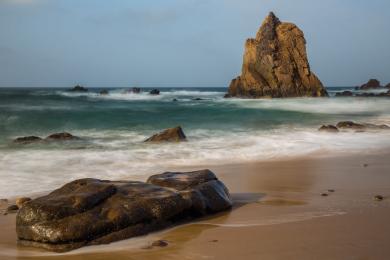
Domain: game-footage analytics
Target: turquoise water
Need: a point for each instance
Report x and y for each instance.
(219, 130)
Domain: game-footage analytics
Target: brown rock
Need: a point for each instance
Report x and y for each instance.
(371, 84)
(276, 65)
(27, 140)
(21, 201)
(328, 128)
(361, 127)
(160, 243)
(175, 134)
(90, 211)
(61, 137)
(12, 209)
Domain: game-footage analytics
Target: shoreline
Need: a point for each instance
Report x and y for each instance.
(275, 201)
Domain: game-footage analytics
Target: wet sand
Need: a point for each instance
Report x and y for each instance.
(279, 213)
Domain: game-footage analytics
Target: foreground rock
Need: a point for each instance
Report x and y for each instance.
(78, 88)
(61, 137)
(27, 140)
(175, 134)
(90, 211)
(276, 64)
(371, 84)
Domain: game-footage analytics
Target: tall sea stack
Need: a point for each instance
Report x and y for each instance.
(276, 65)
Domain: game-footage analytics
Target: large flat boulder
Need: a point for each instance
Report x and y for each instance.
(91, 211)
(174, 134)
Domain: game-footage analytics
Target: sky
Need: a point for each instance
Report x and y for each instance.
(181, 43)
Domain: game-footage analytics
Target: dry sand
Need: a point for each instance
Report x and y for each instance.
(279, 213)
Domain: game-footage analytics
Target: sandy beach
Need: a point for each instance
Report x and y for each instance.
(279, 213)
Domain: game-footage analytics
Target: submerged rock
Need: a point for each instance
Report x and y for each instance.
(387, 86)
(78, 88)
(154, 92)
(91, 211)
(61, 137)
(371, 84)
(361, 127)
(104, 92)
(175, 134)
(136, 90)
(328, 128)
(276, 64)
(344, 94)
(27, 140)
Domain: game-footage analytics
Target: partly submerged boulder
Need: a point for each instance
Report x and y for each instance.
(154, 92)
(344, 94)
(276, 65)
(175, 134)
(78, 88)
(371, 84)
(61, 137)
(91, 211)
(27, 140)
(136, 90)
(104, 92)
(328, 128)
(361, 127)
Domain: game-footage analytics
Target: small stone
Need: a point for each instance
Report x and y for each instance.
(214, 241)
(160, 243)
(324, 194)
(331, 190)
(12, 209)
(21, 201)
(378, 198)
(365, 165)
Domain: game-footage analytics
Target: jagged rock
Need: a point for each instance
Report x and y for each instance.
(154, 92)
(78, 88)
(344, 94)
(61, 137)
(21, 201)
(104, 92)
(360, 127)
(328, 128)
(90, 211)
(276, 65)
(175, 134)
(371, 84)
(27, 139)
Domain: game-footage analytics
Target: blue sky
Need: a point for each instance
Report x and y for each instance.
(181, 43)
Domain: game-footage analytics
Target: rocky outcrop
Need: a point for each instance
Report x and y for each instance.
(175, 134)
(360, 127)
(61, 137)
(78, 88)
(27, 140)
(344, 94)
(328, 128)
(276, 65)
(371, 84)
(154, 92)
(91, 211)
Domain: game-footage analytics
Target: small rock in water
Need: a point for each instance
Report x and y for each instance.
(160, 243)
(21, 201)
(214, 241)
(378, 198)
(62, 136)
(328, 128)
(324, 194)
(175, 134)
(365, 165)
(27, 139)
(174, 100)
(331, 190)
(12, 209)
(104, 92)
(154, 92)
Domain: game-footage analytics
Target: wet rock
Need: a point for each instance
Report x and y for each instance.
(136, 90)
(227, 96)
(371, 84)
(361, 127)
(275, 64)
(91, 211)
(65, 136)
(328, 128)
(21, 201)
(154, 92)
(378, 198)
(387, 86)
(175, 134)
(78, 88)
(344, 94)
(331, 190)
(197, 99)
(159, 243)
(27, 140)
(12, 209)
(324, 194)
(104, 92)
(175, 100)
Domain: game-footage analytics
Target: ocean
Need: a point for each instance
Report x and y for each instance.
(113, 127)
